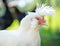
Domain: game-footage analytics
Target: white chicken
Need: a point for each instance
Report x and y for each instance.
(27, 34)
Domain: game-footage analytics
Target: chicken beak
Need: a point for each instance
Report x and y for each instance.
(45, 24)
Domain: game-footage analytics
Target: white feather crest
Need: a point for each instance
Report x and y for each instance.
(43, 10)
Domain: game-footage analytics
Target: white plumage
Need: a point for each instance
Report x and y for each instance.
(26, 35)
(44, 10)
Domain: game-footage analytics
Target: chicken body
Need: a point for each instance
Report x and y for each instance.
(26, 35)
(14, 38)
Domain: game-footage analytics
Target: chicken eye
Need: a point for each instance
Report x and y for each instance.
(37, 18)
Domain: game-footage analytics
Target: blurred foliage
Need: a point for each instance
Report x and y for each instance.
(28, 6)
(14, 25)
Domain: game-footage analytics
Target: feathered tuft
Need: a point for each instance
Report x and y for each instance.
(44, 10)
